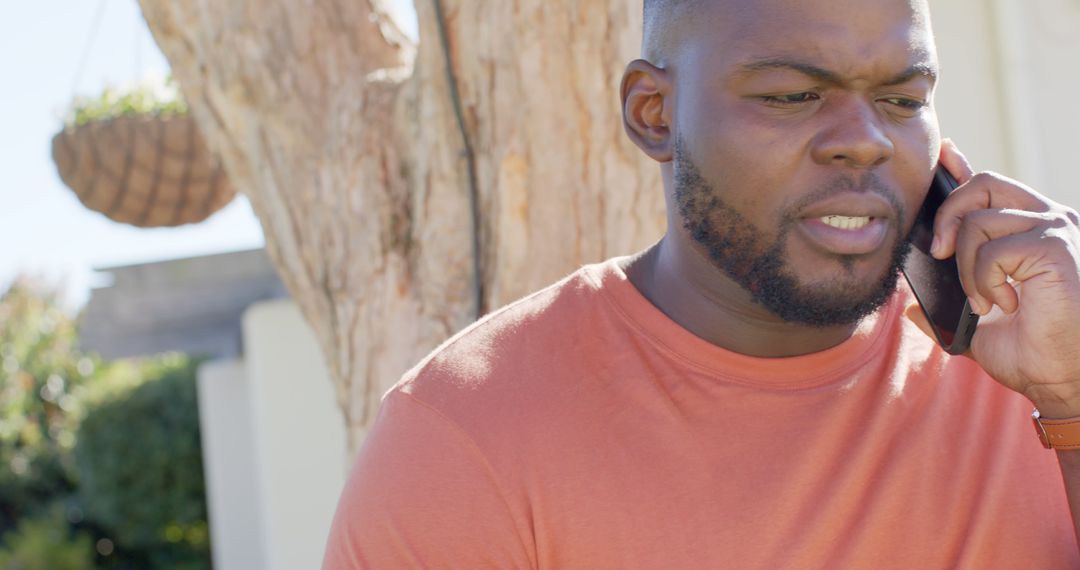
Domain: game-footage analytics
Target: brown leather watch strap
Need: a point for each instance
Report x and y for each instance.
(1057, 434)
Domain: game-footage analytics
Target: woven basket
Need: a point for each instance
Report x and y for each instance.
(146, 171)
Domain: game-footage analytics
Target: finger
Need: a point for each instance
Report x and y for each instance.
(979, 228)
(915, 314)
(1015, 256)
(983, 191)
(955, 162)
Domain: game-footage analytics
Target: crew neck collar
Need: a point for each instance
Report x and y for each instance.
(793, 372)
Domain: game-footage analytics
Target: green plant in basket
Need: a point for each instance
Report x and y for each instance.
(144, 99)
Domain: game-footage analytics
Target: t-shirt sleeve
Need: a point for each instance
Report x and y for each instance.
(421, 495)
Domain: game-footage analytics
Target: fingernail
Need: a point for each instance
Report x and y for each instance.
(935, 246)
(975, 305)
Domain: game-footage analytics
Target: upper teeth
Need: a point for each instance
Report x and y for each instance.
(846, 222)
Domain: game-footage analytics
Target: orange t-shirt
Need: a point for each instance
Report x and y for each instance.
(582, 428)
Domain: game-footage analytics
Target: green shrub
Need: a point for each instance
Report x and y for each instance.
(46, 385)
(140, 469)
(46, 542)
(136, 424)
(40, 373)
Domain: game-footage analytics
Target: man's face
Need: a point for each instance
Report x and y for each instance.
(804, 144)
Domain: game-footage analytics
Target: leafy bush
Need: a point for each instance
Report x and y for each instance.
(49, 389)
(41, 373)
(46, 542)
(140, 468)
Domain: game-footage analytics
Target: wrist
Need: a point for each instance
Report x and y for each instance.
(1058, 434)
(1053, 403)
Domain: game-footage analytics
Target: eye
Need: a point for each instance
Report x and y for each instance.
(905, 104)
(791, 98)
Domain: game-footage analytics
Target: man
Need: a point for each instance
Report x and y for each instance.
(747, 393)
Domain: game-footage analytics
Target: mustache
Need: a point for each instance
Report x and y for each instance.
(869, 182)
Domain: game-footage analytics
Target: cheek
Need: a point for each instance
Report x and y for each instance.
(747, 164)
(924, 145)
(915, 164)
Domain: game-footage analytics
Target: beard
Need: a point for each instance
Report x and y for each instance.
(760, 266)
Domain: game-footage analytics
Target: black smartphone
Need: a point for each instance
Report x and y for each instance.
(936, 283)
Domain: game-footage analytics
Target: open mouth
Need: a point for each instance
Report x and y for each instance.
(845, 235)
(846, 222)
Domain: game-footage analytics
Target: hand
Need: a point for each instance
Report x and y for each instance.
(1019, 259)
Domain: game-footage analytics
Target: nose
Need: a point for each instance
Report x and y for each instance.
(853, 136)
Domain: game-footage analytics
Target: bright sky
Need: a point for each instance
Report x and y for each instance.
(47, 57)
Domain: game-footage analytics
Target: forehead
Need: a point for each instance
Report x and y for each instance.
(850, 37)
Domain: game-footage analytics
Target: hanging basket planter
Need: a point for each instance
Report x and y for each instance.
(147, 171)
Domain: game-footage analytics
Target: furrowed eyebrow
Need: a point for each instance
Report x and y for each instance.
(926, 70)
(807, 69)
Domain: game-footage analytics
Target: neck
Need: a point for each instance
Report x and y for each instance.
(691, 291)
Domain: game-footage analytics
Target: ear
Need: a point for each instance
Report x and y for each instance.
(646, 93)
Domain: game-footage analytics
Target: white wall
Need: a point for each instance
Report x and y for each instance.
(1010, 71)
(969, 101)
(229, 464)
(299, 435)
(1052, 73)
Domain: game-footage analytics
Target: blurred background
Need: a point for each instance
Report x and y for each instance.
(150, 414)
(53, 52)
(100, 452)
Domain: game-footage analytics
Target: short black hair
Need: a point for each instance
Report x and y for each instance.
(659, 17)
(662, 17)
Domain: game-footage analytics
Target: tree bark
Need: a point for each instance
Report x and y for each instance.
(406, 189)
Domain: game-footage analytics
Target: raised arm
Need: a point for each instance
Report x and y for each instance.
(1019, 259)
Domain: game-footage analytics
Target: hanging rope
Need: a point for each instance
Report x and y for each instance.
(138, 69)
(147, 170)
(95, 26)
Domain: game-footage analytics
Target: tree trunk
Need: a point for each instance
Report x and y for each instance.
(406, 189)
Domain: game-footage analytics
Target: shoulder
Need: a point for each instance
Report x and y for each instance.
(525, 352)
